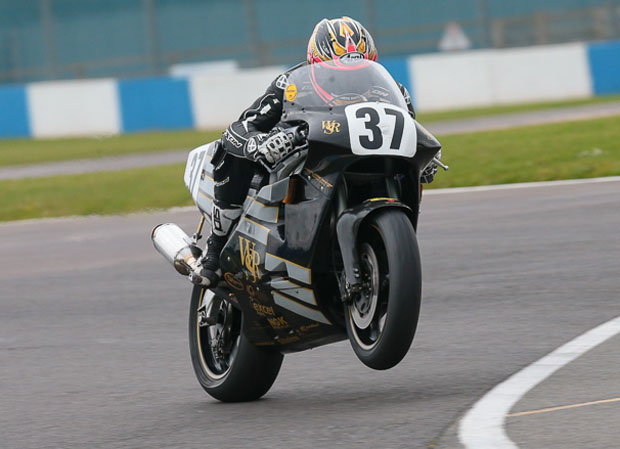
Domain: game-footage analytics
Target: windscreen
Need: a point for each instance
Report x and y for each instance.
(331, 85)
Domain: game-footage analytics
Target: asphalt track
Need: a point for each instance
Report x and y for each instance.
(487, 123)
(93, 345)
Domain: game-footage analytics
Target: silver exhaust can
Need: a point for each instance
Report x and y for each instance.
(176, 247)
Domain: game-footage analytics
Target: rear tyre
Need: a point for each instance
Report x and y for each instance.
(226, 364)
(381, 321)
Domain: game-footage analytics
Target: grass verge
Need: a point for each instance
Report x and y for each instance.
(459, 114)
(28, 151)
(100, 193)
(581, 149)
(570, 150)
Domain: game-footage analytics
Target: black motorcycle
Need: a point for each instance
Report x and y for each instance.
(326, 247)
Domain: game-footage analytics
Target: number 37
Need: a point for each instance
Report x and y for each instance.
(377, 129)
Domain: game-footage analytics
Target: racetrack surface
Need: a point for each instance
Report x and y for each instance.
(487, 123)
(93, 330)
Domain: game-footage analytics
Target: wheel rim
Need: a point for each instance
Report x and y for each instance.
(217, 343)
(368, 312)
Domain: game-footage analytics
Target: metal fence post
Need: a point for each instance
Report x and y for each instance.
(47, 19)
(614, 12)
(483, 7)
(152, 34)
(260, 49)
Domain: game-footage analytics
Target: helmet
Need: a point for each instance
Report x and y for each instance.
(335, 38)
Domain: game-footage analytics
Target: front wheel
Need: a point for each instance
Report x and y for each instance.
(381, 320)
(226, 364)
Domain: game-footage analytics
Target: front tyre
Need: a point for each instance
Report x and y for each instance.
(226, 364)
(382, 319)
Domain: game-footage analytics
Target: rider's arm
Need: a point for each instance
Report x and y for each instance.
(405, 93)
(428, 174)
(257, 120)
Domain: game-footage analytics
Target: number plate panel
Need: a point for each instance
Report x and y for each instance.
(381, 129)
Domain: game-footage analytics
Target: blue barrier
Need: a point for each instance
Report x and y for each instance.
(155, 103)
(399, 69)
(605, 67)
(14, 121)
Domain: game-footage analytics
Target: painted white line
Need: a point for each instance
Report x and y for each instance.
(483, 426)
(75, 218)
(521, 185)
(562, 407)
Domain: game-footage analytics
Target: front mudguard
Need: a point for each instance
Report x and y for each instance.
(347, 228)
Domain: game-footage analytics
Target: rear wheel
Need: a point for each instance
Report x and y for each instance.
(226, 364)
(382, 319)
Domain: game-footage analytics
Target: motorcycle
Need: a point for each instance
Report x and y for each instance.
(326, 246)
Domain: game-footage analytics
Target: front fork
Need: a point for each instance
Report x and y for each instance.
(348, 224)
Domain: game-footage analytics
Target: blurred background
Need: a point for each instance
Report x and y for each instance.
(100, 102)
(63, 39)
(143, 65)
(149, 79)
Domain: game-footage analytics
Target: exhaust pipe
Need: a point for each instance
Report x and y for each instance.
(176, 247)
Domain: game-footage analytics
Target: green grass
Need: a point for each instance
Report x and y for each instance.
(538, 153)
(29, 151)
(570, 150)
(100, 193)
(457, 114)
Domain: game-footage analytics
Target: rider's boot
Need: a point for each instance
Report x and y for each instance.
(224, 216)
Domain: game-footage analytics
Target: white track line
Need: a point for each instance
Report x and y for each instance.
(521, 185)
(483, 426)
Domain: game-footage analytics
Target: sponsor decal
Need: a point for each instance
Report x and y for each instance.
(318, 178)
(351, 58)
(309, 327)
(251, 146)
(287, 340)
(230, 138)
(278, 322)
(291, 92)
(250, 258)
(391, 200)
(380, 92)
(217, 221)
(262, 310)
(223, 181)
(330, 127)
(281, 82)
(233, 282)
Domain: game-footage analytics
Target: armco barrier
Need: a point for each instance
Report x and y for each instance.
(73, 108)
(156, 103)
(494, 77)
(218, 100)
(604, 61)
(436, 81)
(14, 120)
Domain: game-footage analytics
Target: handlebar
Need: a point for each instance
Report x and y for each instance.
(300, 143)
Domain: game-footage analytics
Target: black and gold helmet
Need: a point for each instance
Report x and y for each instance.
(340, 38)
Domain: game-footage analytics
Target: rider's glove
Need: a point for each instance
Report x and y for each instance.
(271, 147)
(428, 174)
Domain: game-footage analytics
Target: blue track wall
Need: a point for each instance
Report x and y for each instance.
(605, 67)
(14, 121)
(156, 103)
(175, 103)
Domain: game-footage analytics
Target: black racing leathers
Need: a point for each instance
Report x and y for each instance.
(233, 172)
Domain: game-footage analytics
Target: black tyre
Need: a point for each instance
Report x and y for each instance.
(226, 364)
(382, 320)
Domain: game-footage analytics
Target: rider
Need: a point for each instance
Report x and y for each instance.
(255, 136)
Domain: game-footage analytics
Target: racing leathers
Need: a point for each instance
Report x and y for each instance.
(234, 166)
